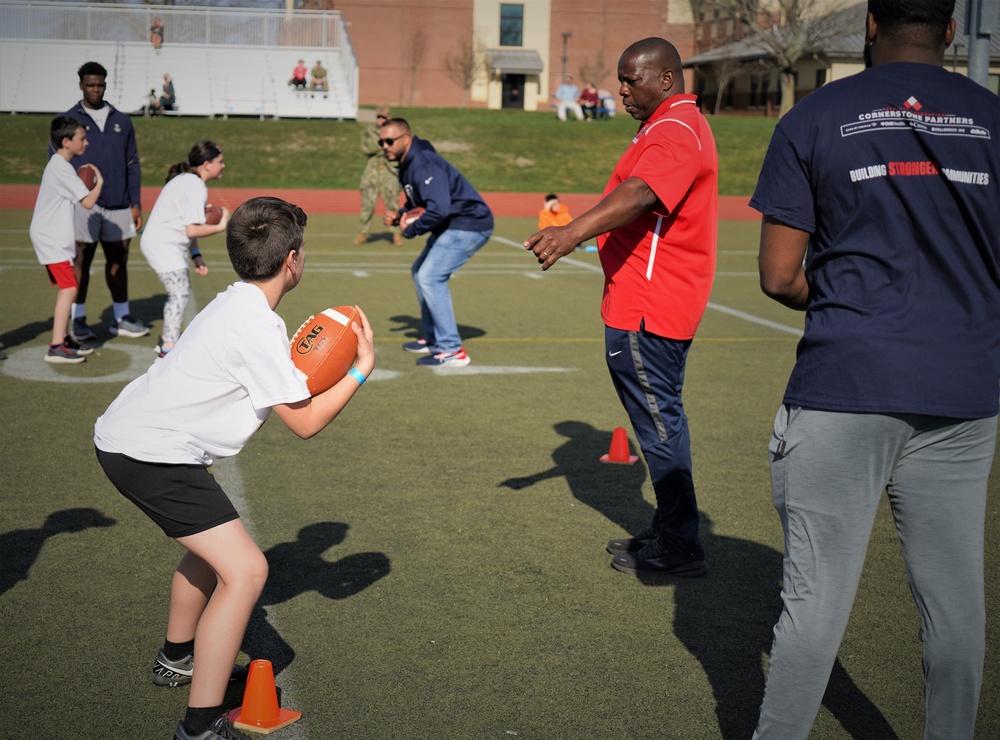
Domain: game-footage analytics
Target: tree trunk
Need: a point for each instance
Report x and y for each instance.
(718, 100)
(787, 82)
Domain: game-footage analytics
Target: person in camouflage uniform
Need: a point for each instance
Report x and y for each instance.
(380, 177)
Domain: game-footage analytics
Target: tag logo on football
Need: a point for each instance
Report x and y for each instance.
(305, 345)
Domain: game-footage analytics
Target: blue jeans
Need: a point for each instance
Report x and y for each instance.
(648, 373)
(443, 255)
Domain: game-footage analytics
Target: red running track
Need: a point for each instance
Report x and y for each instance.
(524, 205)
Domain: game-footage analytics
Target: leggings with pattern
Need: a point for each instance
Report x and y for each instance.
(178, 285)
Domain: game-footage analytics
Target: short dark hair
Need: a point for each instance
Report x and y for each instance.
(260, 234)
(63, 127)
(397, 122)
(551, 196)
(91, 68)
(927, 18)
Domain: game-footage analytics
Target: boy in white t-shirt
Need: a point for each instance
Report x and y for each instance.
(51, 229)
(205, 400)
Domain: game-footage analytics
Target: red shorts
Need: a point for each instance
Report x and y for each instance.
(61, 274)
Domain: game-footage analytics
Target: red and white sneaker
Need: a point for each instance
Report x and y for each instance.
(446, 359)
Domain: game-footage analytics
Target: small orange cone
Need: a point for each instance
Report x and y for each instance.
(260, 711)
(618, 453)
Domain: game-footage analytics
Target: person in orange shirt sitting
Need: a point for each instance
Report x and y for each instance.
(554, 213)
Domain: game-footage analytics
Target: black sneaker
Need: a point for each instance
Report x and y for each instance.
(174, 673)
(631, 544)
(419, 346)
(220, 729)
(78, 348)
(80, 331)
(655, 558)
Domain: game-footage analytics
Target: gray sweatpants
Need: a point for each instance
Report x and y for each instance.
(828, 471)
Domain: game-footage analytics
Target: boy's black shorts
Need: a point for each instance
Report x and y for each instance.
(182, 499)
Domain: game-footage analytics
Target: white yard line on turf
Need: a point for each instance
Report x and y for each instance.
(227, 472)
(714, 306)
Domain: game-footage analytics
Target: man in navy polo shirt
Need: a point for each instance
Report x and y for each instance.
(886, 185)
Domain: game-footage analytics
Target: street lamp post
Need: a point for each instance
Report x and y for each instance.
(566, 37)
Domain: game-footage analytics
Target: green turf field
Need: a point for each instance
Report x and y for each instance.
(437, 554)
(506, 151)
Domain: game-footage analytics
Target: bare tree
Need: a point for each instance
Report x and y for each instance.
(415, 57)
(466, 64)
(726, 69)
(785, 31)
(594, 69)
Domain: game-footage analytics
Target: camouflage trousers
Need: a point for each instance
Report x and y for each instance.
(383, 183)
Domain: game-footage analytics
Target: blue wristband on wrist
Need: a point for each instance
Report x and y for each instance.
(357, 375)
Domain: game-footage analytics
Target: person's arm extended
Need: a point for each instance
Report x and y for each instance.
(90, 199)
(623, 205)
(780, 263)
(308, 417)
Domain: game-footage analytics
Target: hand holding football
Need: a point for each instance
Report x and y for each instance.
(88, 175)
(411, 216)
(324, 347)
(213, 214)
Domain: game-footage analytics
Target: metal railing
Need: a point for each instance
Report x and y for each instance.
(49, 21)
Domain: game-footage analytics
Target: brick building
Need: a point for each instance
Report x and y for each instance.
(514, 52)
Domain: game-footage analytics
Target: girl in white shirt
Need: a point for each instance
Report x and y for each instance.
(173, 229)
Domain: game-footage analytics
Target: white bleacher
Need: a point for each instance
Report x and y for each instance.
(209, 80)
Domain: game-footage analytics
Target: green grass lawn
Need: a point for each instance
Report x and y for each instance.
(437, 554)
(507, 151)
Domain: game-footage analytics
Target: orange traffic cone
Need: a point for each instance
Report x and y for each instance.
(260, 711)
(618, 453)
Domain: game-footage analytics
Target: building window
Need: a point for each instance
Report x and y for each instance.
(511, 24)
(820, 78)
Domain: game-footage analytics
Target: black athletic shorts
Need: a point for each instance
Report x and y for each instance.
(182, 499)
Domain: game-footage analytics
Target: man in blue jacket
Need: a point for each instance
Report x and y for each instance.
(459, 222)
(118, 213)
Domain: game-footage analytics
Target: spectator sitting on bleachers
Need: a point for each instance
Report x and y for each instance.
(607, 109)
(299, 75)
(566, 99)
(590, 101)
(317, 78)
(168, 100)
(156, 34)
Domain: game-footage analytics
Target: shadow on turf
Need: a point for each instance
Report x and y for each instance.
(298, 567)
(19, 549)
(413, 328)
(725, 619)
(146, 309)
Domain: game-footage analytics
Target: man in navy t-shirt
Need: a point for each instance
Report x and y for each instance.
(880, 196)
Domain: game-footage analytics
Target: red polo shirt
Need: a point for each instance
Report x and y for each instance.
(659, 268)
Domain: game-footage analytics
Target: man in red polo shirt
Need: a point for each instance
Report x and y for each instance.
(656, 226)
